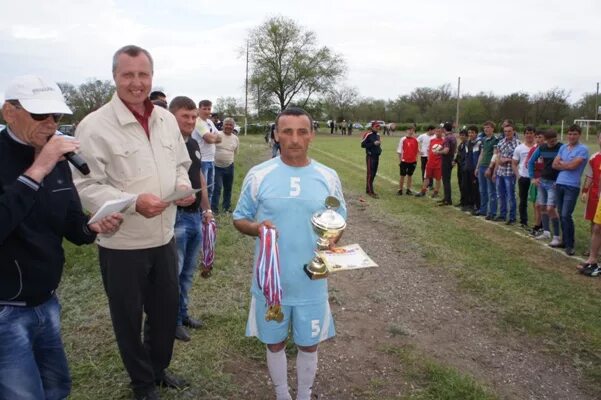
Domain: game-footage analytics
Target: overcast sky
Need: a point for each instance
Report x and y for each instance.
(391, 47)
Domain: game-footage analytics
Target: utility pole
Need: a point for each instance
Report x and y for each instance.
(597, 102)
(246, 95)
(458, 98)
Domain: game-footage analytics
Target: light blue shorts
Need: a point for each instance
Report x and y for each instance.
(546, 193)
(310, 324)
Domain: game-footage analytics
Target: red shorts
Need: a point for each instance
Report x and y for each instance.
(433, 172)
(591, 206)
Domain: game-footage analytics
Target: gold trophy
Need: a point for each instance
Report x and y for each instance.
(328, 225)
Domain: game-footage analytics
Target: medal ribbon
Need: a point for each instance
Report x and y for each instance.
(268, 267)
(209, 234)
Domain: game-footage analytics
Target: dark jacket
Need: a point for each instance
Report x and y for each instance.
(33, 222)
(371, 149)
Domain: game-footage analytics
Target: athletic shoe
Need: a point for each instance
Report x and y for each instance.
(510, 222)
(434, 194)
(556, 243)
(421, 194)
(525, 227)
(400, 192)
(546, 235)
(499, 219)
(570, 251)
(408, 192)
(596, 271)
(489, 218)
(374, 195)
(476, 213)
(444, 203)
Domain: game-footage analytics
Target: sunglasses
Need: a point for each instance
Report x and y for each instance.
(56, 117)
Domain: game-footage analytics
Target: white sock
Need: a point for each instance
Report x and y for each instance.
(306, 368)
(278, 371)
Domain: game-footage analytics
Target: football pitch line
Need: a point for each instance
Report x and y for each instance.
(482, 220)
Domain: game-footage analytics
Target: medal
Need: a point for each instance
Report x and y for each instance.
(268, 273)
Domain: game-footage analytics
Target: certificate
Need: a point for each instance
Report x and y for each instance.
(346, 258)
(113, 206)
(180, 194)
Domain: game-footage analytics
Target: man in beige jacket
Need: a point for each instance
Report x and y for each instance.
(134, 148)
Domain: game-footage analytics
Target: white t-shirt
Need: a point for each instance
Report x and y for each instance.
(207, 150)
(520, 154)
(424, 144)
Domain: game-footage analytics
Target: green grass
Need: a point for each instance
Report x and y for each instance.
(529, 290)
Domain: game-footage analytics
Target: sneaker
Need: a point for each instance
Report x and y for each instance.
(421, 194)
(546, 235)
(408, 192)
(570, 251)
(181, 333)
(476, 213)
(525, 227)
(400, 192)
(444, 203)
(510, 222)
(499, 219)
(488, 217)
(434, 194)
(556, 243)
(193, 323)
(374, 195)
(596, 271)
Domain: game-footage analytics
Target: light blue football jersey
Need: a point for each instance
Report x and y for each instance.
(288, 197)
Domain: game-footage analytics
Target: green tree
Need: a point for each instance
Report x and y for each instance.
(228, 107)
(287, 64)
(472, 111)
(339, 102)
(87, 97)
(516, 107)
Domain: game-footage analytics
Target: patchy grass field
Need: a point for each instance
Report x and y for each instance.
(528, 289)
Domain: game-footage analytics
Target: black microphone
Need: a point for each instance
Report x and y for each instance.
(75, 159)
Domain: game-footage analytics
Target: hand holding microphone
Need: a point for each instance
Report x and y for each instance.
(58, 146)
(73, 158)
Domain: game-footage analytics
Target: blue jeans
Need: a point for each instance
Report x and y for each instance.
(567, 196)
(224, 178)
(188, 237)
(208, 171)
(488, 194)
(506, 190)
(32, 358)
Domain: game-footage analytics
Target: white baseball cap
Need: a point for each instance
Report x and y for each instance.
(37, 95)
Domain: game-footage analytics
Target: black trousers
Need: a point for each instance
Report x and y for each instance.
(469, 188)
(137, 282)
(523, 187)
(371, 163)
(447, 166)
(424, 161)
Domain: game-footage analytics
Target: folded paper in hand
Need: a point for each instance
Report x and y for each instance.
(180, 194)
(113, 206)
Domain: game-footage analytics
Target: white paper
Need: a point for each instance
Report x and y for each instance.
(180, 194)
(346, 258)
(112, 206)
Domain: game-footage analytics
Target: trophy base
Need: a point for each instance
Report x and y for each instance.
(315, 273)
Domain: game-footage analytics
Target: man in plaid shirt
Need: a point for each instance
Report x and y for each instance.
(505, 175)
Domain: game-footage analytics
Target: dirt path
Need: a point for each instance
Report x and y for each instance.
(407, 302)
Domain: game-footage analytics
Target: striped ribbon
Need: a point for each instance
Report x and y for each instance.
(209, 234)
(268, 267)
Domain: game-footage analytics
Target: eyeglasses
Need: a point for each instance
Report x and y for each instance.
(39, 117)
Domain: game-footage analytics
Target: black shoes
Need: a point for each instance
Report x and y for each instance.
(444, 203)
(152, 395)
(374, 195)
(169, 380)
(570, 251)
(408, 192)
(193, 323)
(181, 333)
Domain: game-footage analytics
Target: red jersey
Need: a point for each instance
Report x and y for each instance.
(593, 172)
(434, 160)
(408, 149)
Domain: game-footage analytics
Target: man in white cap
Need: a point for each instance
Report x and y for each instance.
(39, 207)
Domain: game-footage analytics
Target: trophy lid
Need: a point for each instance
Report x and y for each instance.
(328, 220)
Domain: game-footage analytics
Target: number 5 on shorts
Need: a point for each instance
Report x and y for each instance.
(315, 328)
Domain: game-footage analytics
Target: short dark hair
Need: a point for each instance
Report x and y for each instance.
(205, 103)
(539, 132)
(430, 127)
(472, 128)
(463, 132)
(575, 128)
(448, 126)
(159, 102)
(550, 134)
(180, 102)
(132, 51)
(296, 112)
(156, 95)
(529, 128)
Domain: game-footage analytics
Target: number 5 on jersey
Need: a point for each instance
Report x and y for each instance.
(295, 187)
